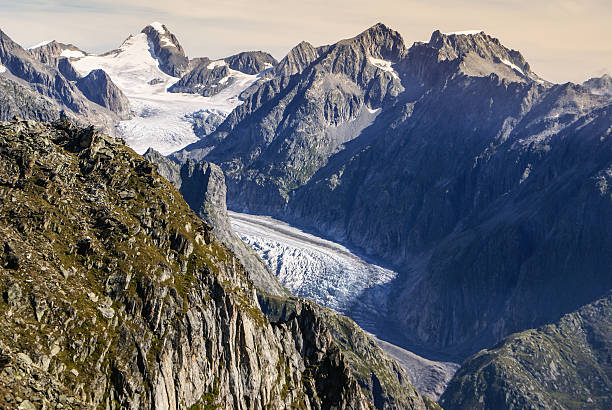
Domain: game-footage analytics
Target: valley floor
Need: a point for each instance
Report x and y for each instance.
(327, 272)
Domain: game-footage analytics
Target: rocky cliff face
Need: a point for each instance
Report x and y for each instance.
(206, 79)
(453, 161)
(115, 294)
(385, 383)
(203, 187)
(99, 88)
(325, 107)
(559, 366)
(166, 49)
(58, 55)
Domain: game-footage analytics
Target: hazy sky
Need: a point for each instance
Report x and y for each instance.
(563, 40)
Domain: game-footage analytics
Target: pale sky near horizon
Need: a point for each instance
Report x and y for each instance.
(563, 40)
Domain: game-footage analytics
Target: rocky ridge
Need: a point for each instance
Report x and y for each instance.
(563, 365)
(114, 294)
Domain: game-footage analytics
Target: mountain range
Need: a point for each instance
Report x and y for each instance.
(483, 185)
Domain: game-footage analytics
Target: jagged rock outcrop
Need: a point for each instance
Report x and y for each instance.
(479, 55)
(115, 294)
(203, 187)
(600, 85)
(565, 365)
(98, 87)
(251, 62)
(167, 49)
(297, 60)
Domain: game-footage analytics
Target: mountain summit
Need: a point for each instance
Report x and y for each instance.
(166, 49)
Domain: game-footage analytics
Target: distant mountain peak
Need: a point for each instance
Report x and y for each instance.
(480, 54)
(167, 49)
(379, 41)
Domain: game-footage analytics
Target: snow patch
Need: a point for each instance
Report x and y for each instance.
(373, 111)
(162, 120)
(44, 43)
(2, 69)
(463, 33)
(214, 64)
(72, 53)
(512, 65)
(383, 65)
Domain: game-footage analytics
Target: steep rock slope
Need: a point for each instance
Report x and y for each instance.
(99, 88)
(17, 100)
(473, 229)
(114, 294)
(166, 49)
(203, 188)
(385, 383)
(481, 182)
(559, 366)
(58, 55)
(297, 124)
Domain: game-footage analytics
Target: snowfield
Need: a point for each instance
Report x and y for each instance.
(309, 266)
(162, 120)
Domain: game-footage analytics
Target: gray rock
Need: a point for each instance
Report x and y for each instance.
(251, 62)
(167, 50)
(99, 88)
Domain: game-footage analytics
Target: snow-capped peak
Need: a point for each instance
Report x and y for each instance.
(44, 43)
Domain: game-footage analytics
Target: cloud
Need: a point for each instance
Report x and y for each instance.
(563, 39)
